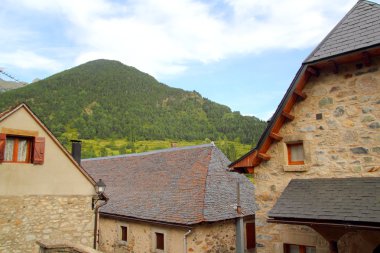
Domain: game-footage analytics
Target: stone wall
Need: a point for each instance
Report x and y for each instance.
(63, 246)
(211, 238)
(140, 236)
(344, 143)
(214, 237)
(27, 219)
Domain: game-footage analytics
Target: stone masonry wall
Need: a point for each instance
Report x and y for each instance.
(344, 143)
(27, 219)
(218, 237)
(140, 236)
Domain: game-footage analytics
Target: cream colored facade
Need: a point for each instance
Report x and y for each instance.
(48, 201)
(344, 143)
(210, 237)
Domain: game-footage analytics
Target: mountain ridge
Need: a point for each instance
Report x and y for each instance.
(107, 99)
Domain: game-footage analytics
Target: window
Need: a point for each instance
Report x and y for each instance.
(124, 233)
(250, 235)
(292, 248)
(295, 153)
(21, 149)
(160, 241)
(17, 149)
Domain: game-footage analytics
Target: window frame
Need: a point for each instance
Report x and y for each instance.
(29, 151)
(157, 241)
(289, 150)
(36, 148)
(302, 248)
(124, 233)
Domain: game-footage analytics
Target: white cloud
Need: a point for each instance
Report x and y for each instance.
(162, 37)
(29, 60)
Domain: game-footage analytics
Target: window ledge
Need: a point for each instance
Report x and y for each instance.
(296, 168)
(122, 243)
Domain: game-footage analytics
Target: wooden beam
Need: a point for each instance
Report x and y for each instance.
(19, 132)
(313, 71)
(250, 170)
(263, 156)
(300, 94)
(275, 136)
(335, 66)
(366, 58)
(287, 116)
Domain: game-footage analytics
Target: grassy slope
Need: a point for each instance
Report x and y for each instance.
(93, 148)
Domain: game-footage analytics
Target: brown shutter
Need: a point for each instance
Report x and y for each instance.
(39, 150)
(2, 147)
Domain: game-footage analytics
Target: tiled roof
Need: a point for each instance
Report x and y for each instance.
(359, 29)
(334, 199)
(179, 185)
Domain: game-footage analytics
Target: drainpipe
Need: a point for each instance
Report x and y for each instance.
(96, 221)
(239, 224)
(185, 241)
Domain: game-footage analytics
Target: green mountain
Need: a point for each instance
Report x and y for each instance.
(108, 100)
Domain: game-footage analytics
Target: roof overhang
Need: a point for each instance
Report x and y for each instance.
(171, 224)
(352, 225)
(294, 94)
(136, 219)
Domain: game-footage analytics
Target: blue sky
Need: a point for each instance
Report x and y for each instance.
(241, 53)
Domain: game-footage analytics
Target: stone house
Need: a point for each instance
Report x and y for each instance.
(174, 200)
(44, 193)
(316, 166)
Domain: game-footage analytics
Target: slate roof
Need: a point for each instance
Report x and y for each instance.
(359, 29)
(334, 199)
(185, 185)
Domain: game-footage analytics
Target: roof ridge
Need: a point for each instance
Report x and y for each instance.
(369, 2)
(325, 49)
(151, 152)
(205, 183)
(10, 110)
(332, 31)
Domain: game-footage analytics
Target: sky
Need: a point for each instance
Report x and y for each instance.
(241, 53)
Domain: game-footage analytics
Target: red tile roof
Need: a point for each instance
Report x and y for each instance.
(180, 185)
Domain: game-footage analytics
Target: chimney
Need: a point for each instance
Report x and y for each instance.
(76, 150)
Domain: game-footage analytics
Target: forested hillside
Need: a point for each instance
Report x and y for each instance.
(108, 100)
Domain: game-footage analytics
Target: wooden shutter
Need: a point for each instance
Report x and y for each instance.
(39, 150)
(251, 235)
(2, 147)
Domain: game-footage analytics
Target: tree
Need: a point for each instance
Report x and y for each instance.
(103, 152)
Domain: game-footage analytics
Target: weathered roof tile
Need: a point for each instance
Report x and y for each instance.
(180, 185)
(339, 199)
(359, 28)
